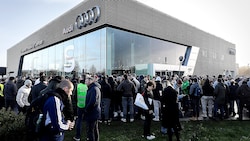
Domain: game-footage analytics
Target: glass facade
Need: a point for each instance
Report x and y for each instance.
(107, 50)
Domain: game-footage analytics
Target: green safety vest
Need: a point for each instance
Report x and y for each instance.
(81, 95)
(1, 90)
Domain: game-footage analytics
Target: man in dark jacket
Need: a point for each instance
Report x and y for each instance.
(243, 93)
(36, 89)
(92, 107)
(220, 98)
(10, 92)
(128, 90)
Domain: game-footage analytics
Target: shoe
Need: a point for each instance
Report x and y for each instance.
(76, 139)
(142, 117)
(121, 114)
(132, 120)
(123, 120)
(151, 137)
(115, 114)
(156, 119)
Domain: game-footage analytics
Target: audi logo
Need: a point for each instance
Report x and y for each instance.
(88, 17)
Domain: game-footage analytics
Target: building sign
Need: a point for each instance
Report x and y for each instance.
(84, 19)
(35, 45)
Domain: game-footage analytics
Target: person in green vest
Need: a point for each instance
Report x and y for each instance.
(81, 92)
(185, 91)
(1, 94)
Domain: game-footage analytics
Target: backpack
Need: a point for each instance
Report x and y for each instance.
(35, 120)
(197, 91)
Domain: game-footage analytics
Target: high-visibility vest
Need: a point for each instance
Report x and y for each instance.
(81, 95)
(1, 90)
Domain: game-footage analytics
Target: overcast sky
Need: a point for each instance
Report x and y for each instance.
(227, 19)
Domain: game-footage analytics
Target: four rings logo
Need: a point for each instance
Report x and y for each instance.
(88, 17)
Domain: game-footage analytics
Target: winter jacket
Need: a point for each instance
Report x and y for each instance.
(10, 90)
(22, 96)
(220, 93)
(93, 100)
(127, 87)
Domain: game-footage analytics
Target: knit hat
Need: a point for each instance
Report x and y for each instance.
(28, 82)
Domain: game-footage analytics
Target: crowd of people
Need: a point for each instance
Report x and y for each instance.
(103, 99)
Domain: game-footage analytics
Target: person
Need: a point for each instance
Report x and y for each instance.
(58, 112)
(207, 99)
(81, 92)
(148, 98)
(195, 98)
(106, 92)
(1, 94)
(52, 85)
(20, 82)
(185, 86)
(36, 89)
(41, 74)
(22, 96)
(10, 91)
(232, 97)
(93, 109)
(170, 111)
(220, 98)
(243, 92)
(128, 90)
(157, 92)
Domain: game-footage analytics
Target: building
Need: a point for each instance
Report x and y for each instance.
(105, 36)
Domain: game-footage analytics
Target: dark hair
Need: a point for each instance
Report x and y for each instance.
(11, 78)
(149, 84)
(125, 76)
(195, 80)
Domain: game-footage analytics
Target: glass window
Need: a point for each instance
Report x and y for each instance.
(128, 49)
(86, 53)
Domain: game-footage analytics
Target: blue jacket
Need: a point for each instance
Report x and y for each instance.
(57, 110)
(93, 100)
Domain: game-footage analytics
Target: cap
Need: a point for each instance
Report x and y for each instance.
(158, 78)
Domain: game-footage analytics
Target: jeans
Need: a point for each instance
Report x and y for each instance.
(128, 102)
(106, 107)
(92, 131)
(80, 114)
(216, 108)
(196, 106)
(157, 105)
(207, 102)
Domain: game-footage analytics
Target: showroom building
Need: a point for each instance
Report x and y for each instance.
(110, 37)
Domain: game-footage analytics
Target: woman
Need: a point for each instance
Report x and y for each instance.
(170, 111)
(148, 98)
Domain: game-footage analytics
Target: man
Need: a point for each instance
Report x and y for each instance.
(10, 91)
(93, 109)
(128, 90)
(58, 112)
(195, 98)
(157, 92)
(81, 102)
(243, 92)
(22, 96)
(36, 89)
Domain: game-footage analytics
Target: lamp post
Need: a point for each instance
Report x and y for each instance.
(180, 59)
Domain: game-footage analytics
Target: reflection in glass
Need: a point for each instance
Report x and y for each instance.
(104, 51)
